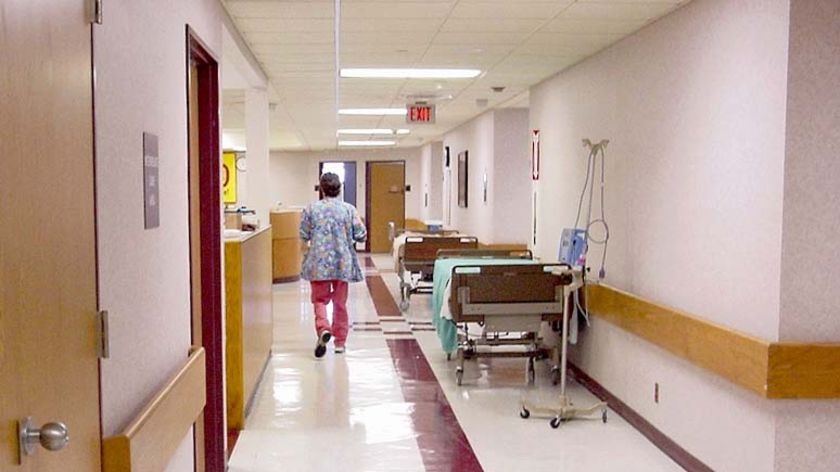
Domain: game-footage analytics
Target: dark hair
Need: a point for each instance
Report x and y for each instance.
(330, 184)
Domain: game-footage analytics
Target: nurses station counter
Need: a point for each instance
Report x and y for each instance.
(248, 318)
(286, 245)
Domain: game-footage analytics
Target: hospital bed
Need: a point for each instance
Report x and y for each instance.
(509, 298)
(415, 261)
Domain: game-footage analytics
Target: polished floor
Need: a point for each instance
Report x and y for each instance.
(390, 403)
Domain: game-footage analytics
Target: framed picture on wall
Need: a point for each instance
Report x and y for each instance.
(463, 178)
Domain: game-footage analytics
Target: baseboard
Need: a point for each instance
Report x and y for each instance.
(657, 437)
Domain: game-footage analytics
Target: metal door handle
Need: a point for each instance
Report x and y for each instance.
(52, 436)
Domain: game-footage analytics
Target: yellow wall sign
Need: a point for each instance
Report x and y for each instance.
(229, 177)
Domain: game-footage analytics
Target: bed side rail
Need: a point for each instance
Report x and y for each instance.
(422, 248)
(485, 254)
(479, 291)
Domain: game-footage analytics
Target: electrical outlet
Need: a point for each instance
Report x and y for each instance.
(656, 392)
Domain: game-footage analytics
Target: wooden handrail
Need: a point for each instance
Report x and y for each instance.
(149, 441)
(771, 369)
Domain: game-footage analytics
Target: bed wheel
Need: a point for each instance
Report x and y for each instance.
(404, 304)
(524, 413)
(555, 422)
(448, 356)
(459, 376)
(604, 416)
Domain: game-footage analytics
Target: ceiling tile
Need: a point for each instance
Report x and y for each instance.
(269, 25)
(263, 9)
(511, 10)
(491, 25)
(408, 10)
(623, 11)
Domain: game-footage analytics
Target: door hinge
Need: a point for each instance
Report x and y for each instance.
(104, 341)
(95, 11)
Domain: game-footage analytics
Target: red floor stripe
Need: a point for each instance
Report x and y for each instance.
(443, 444)
(382, 299)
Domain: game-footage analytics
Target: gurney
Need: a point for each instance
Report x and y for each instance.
(510, 298)
(416, 261)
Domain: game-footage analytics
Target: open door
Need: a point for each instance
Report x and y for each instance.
(48, 314)
(385, 202)
(205, 206)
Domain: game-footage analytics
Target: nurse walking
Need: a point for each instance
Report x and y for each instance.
(331, 227)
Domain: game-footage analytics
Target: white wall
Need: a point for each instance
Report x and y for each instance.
(431, 178)
(294, 175)
(144, 279)
(475, 137)
(694, 107)
(498, 144)
(806, 438)
(510, 191)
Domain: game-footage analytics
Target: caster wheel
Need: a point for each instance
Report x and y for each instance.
(459, 376)
(555, 376)
(555, 422)
(404, 304)
(524, 413)
(604, 416)
(448, 356)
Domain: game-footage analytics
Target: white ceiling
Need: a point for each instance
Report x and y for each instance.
(516, 44)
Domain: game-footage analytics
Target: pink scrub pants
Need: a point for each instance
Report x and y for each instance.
(324, 292)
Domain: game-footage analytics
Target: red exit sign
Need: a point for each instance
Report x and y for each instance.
(420, 114)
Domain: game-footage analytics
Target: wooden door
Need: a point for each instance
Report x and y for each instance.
(385, 202)
(48, 324)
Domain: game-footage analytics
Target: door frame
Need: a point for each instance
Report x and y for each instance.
(212, 284)
(368, 165)
(355, 166)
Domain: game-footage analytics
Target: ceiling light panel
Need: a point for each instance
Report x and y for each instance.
(372, 111)
(366, 143)
(363, 131)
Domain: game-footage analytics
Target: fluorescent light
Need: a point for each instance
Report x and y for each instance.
(372, 111)
(410, 73)
(366, 143)
(403, 131)
(366, 131)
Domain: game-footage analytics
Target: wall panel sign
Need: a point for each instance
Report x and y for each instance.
(229, 177)
(535, 154)
(151, 183)
(420, 113)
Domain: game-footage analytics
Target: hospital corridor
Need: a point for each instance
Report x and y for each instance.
(419, 235)
(390, 402)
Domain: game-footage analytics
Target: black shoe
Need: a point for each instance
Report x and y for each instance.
(321, 347)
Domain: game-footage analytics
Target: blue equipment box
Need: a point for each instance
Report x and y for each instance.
(573, 247)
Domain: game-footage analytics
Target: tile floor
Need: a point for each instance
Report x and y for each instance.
(391, 403)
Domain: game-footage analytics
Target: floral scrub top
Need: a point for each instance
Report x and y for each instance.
(331, 227)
